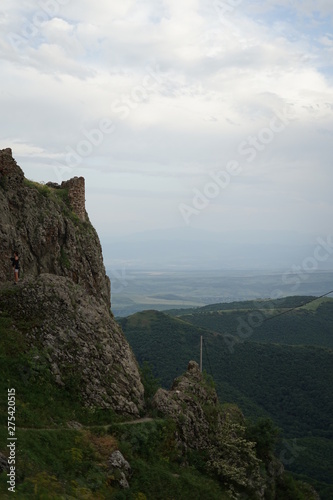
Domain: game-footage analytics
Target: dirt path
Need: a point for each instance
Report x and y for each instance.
(138, 421)
(80, 427)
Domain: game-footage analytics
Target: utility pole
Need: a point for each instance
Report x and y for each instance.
(201, 353)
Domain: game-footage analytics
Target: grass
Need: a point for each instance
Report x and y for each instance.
(40, 402)
(56, 194)
(55, 461)
(61, 462)
(313, 306)
(42, 188)
(60, 197)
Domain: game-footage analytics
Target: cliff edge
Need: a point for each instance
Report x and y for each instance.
(49, 227)
(60, 308)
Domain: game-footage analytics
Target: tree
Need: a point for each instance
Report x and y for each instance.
(234, 459)
(265, 434)
(150, 383)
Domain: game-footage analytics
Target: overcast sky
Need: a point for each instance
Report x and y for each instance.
(178, 113)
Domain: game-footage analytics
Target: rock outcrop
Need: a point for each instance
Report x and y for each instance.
(120, 469)
(50, 229)
(65, 292)
(80, 340)
(202, 425)
(185, 404)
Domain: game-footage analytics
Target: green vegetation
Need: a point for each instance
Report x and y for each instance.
(63, 195)
(40, 402)
(265, 434)
(281, 369)
(41, 188)
(150, 384)
(64, 260)
(73, 464)
(47, 191)
(268, 321)
(151, 451)
(57, 461)
(57, 195)
(234, 459)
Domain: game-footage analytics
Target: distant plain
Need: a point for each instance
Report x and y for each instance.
(138, 290)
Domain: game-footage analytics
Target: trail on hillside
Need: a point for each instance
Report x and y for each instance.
(81, 427)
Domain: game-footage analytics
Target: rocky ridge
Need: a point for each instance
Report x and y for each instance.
(63, 290)
(51, 232)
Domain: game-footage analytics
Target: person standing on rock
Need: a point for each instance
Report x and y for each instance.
(16, 266)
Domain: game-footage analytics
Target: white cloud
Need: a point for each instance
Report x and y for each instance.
(183, 86)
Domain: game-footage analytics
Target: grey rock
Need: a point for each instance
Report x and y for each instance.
(65, 288)
(185, 404)
(41, 224)
(118, 463)
(74, 425)
(81, 339)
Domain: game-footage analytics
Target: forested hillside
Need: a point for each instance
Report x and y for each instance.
(282, 368)
(268, 321)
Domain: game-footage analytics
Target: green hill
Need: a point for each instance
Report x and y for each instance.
(268, 321)
(289, 382)
(64, 447)
(279, 379)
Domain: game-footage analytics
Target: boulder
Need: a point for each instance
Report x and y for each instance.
(120, 469)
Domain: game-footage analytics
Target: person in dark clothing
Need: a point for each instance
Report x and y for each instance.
(16, 267)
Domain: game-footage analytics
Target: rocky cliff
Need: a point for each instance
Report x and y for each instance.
(63, 290)
(49, 227)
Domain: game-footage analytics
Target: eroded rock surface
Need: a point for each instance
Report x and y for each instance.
(63, 290)
(50, 229)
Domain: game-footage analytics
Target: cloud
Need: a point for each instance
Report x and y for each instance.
(184, 86)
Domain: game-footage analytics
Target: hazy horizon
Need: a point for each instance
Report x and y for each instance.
(134, 290)
(188, 248)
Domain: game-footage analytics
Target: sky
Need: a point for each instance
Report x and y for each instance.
(193, 116)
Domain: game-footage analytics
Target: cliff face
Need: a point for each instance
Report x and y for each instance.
(49, 227)
(77, 336)
(63, 290)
